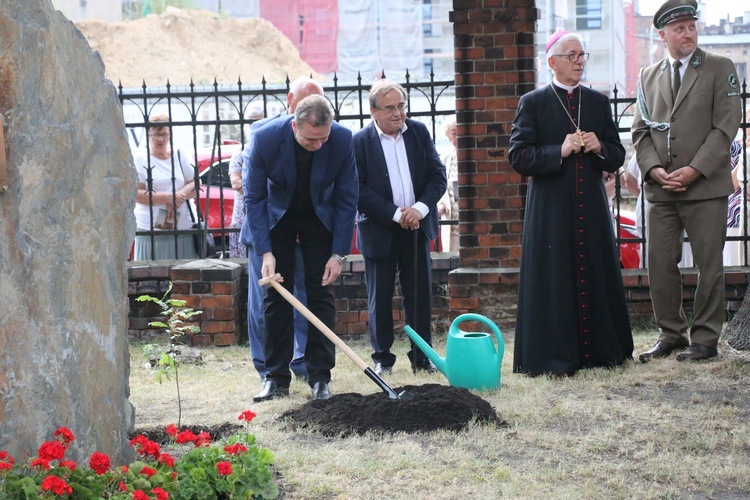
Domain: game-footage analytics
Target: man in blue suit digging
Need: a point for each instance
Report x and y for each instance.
(301, 186)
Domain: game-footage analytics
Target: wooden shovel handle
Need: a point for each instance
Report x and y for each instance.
(273, 281)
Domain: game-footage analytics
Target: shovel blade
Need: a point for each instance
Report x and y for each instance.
(386, 388)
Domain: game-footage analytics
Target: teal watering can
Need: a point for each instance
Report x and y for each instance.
(471, 360)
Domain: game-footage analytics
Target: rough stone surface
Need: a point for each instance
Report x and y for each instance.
(737, 331)
(66, 226)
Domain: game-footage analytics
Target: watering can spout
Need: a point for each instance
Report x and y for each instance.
(426, 349)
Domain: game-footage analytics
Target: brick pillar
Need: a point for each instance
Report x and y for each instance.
(494, 50)
(211, 286)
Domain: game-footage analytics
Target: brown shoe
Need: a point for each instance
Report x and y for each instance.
(696, 352)
(660, 350)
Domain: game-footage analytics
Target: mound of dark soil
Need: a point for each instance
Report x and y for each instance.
(216, 432)
(433, 407)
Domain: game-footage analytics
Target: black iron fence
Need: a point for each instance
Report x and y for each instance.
(210, 124)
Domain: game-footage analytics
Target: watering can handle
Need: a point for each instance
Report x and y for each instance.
(481, 319)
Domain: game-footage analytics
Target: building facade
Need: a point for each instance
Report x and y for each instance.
(104, 10)
(601, 24)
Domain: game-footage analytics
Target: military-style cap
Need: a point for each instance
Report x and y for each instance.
(675, 10)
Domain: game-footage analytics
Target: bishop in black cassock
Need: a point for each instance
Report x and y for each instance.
(571, 312)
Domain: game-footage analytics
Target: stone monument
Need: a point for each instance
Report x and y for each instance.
(66, 224)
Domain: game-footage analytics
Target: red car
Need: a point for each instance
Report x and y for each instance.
(216, 194)
(629, 252)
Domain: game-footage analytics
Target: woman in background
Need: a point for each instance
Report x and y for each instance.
(166, 207)
(448, 204)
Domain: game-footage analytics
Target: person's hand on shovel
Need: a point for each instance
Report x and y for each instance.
(332, 271)
(268, 268)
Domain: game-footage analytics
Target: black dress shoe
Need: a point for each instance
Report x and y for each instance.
(696, 352)
(660, 350)
(271, 390)
(426, 365)
(381, 370)
(321, 391)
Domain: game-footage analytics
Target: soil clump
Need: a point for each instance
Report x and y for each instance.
(433, 407)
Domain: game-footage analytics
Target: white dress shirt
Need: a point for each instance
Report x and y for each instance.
(399, 175)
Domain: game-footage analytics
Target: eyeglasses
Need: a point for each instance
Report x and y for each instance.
(574, 57)
(392, 109)
(160, 135)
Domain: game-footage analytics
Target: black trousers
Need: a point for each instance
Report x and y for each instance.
(380, 275)
(316, 245)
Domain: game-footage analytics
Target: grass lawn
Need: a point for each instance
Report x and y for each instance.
(658, 430)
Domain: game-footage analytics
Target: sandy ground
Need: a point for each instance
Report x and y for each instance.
(198, 45)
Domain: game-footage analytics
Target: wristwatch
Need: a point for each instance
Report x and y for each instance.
(338, 258)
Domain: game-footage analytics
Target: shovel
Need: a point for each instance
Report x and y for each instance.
(273, 281)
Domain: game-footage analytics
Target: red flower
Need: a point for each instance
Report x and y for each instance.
(148, 471)
(167, 459)
(99, 462)
(139, 495)
(235, 449)
(56, 485)
(123, 486)
(6, 461)
(186, 436)
(64, 435)
(51, 450)
(160, 493)
(204, 438)
(68, 464)
(125, 469)
(145, 446)
(247, 415)
(41, 463)
(153, 449)
(224, 468)
(172, 430)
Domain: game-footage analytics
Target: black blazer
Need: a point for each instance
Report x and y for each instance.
(376, 207)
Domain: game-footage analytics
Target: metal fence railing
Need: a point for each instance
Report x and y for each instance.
(209, 124)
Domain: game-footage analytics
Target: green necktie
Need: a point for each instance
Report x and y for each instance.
(676, 80)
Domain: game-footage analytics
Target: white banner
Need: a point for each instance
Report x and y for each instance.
(401, 37)
(357, 42)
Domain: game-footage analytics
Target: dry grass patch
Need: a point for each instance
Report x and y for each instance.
(658, 430)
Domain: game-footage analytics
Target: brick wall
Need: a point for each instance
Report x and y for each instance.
(494, 52)
(219, 289)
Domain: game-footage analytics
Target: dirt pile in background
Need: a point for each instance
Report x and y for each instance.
(181, 45)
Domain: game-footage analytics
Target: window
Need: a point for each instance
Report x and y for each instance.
(588, 14)
(427, 18)
(427, 62)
